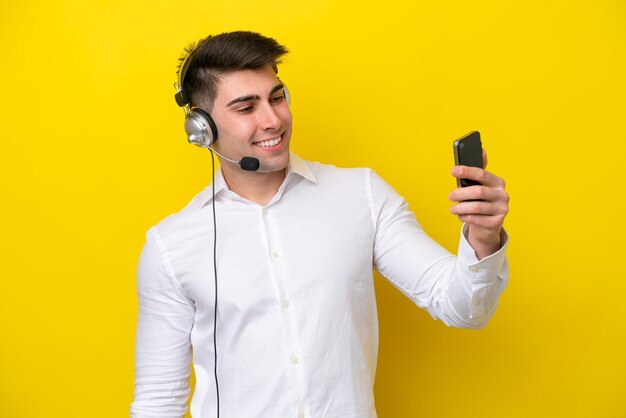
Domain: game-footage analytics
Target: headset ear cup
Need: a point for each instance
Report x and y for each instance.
(287, 95)
(200, 128)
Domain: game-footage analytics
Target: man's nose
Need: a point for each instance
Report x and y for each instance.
(269, 118)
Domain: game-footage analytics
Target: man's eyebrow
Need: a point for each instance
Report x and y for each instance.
(254, 96)
(243, 99)
(277, 87)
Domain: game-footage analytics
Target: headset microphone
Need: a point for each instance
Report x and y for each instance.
(249, 164)
(246, 163)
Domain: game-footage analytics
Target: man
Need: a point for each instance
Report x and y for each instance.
(296, 331)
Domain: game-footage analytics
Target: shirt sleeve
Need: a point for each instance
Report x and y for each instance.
(460, 291)
(162, 347)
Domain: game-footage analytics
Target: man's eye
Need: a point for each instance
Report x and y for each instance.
(246, 109)
(278, 99)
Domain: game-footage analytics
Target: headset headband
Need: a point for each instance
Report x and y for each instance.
(181, 98)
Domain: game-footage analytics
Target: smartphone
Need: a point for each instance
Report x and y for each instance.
(468, 151)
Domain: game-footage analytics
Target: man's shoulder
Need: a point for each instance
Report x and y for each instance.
(352, 181)
(187, 219)
(326, 171)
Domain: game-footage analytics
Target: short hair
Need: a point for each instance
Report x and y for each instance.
(224, 53)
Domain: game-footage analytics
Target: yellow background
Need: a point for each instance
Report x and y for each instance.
(93, 153)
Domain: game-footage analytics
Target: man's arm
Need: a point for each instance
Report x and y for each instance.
(460, 291)
(163, 347)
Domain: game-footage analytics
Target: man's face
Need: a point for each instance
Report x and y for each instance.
(253, 119)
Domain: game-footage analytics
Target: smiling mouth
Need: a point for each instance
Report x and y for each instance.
(269, 142)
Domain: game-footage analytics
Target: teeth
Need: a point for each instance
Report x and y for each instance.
(270, 142)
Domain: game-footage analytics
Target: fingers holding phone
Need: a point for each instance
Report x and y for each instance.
(481, 199)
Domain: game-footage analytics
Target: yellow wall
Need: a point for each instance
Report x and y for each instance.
(93, 154)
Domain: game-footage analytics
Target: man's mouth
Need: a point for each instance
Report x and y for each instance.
(272, 142)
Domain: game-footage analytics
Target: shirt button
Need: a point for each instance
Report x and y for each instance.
(474, 269)
(264, 211)
(294, 359)
(285, 303)
(274, 254)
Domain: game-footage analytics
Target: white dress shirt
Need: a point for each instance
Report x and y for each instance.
(297, 328)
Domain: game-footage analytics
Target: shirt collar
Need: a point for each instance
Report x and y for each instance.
(297, 167)
(300, 167)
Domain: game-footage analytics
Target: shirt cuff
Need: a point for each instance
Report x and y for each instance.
(466, 250)
(487, 277)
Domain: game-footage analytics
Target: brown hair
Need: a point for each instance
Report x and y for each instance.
(218, 54)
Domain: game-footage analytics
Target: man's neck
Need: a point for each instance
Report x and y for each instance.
(256, 187)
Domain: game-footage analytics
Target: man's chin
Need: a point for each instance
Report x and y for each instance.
(272, 165)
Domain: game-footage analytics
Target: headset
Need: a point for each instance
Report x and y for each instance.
(200, 128)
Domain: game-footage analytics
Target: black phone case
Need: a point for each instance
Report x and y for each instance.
(468, 151)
